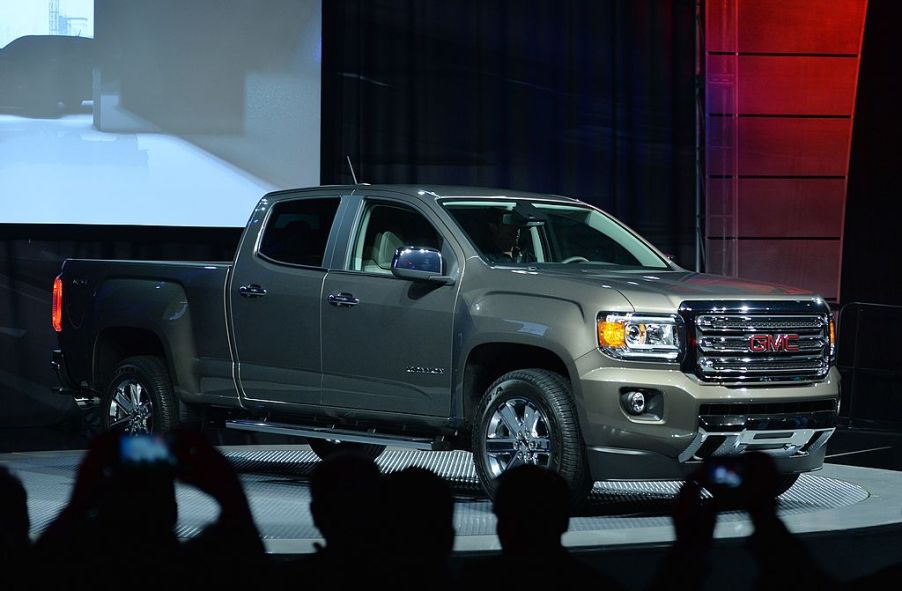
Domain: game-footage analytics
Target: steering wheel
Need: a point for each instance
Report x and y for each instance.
(575, 259)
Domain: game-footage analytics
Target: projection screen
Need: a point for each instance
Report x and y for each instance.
(156, 112)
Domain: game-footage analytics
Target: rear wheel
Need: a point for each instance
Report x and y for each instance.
(139, 398)
(528, 417)
(327, 447)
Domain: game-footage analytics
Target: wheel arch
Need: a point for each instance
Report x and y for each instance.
(486, 362)
(116, 343)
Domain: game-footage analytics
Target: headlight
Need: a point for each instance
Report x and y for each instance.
(639, 336)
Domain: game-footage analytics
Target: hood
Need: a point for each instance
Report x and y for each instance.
(662, 291)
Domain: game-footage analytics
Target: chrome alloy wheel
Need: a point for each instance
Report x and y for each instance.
(517, 434)
(131, 409)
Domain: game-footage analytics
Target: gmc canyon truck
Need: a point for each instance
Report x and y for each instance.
(524, 328)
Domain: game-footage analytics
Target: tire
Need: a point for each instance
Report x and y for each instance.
(557, 429)
(146, 380)
(327, 447)
(785, 483)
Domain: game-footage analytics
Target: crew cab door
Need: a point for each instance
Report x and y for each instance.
(387, 342)
(275, 300)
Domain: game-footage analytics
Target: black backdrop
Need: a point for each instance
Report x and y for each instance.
(872, 242)
(589, 99)
(869, 353)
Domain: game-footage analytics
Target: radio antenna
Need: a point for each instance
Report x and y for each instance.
(351, 167)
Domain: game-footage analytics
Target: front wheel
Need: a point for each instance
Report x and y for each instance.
(528, 417)
(139, 398)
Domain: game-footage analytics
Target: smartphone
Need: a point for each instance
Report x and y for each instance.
(145, 451)
(723, 476)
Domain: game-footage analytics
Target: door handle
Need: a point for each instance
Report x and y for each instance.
(252, 291)
(343, 299)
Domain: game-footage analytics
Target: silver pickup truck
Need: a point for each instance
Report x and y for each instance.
(525, 328)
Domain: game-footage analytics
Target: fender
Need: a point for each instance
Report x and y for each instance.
(512, 318)
(160, 307)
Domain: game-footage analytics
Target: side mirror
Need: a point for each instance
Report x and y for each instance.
(419, 264)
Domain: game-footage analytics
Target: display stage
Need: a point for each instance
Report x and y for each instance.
(277, 481)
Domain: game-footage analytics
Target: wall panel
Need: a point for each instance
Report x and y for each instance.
(780, 81)
(785, 207)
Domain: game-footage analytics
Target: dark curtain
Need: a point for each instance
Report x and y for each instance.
(589, 99)
(872, 248)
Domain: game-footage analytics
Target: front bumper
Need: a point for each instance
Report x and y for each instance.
(798, 421)
(622, 464)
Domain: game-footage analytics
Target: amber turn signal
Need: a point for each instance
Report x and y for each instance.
(832, 335)
(611, 334)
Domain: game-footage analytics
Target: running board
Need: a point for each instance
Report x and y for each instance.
(370, 437)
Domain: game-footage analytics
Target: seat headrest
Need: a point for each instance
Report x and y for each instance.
(386, 244)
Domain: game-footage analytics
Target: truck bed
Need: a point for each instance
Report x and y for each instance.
(182, 304)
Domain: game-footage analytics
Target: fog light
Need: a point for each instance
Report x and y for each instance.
(635, 403)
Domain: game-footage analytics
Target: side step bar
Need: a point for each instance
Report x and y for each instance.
(337, 434)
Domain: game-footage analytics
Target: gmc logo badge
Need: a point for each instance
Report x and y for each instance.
(774, 342)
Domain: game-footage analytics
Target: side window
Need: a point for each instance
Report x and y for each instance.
(383, 229)
(297, 231)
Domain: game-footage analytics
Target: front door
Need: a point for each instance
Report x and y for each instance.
(387, 342)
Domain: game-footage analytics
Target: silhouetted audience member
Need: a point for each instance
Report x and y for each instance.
(15, 545)
(532, 505)
(781, 559)
(417, 531)
(686, 564)
(119, 526)
(344, 491)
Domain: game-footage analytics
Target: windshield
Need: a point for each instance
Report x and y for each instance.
(532, 232)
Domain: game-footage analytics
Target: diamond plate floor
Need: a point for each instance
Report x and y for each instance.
(276, 480)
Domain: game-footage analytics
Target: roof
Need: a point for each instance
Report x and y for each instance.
(443, 191)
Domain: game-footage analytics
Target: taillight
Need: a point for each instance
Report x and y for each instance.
(56, 316)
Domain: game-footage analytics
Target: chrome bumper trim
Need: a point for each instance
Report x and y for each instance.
(786, 443)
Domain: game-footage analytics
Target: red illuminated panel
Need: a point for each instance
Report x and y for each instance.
(774, 146)
(802, 263)
(780, 79)
(791, 207)
(720, 25)
(801, 26)
(796, 85)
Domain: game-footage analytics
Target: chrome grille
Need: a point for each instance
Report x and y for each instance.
(723, 351)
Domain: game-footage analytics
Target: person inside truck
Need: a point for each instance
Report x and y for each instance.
(503, 243)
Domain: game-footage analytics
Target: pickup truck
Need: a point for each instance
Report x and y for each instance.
(525, 328)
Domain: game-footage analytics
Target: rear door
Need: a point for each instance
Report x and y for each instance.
(387, 342)
(275, 294)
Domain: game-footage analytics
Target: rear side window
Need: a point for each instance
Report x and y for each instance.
(297, 231)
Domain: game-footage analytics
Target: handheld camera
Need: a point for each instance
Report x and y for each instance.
(146, 451)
